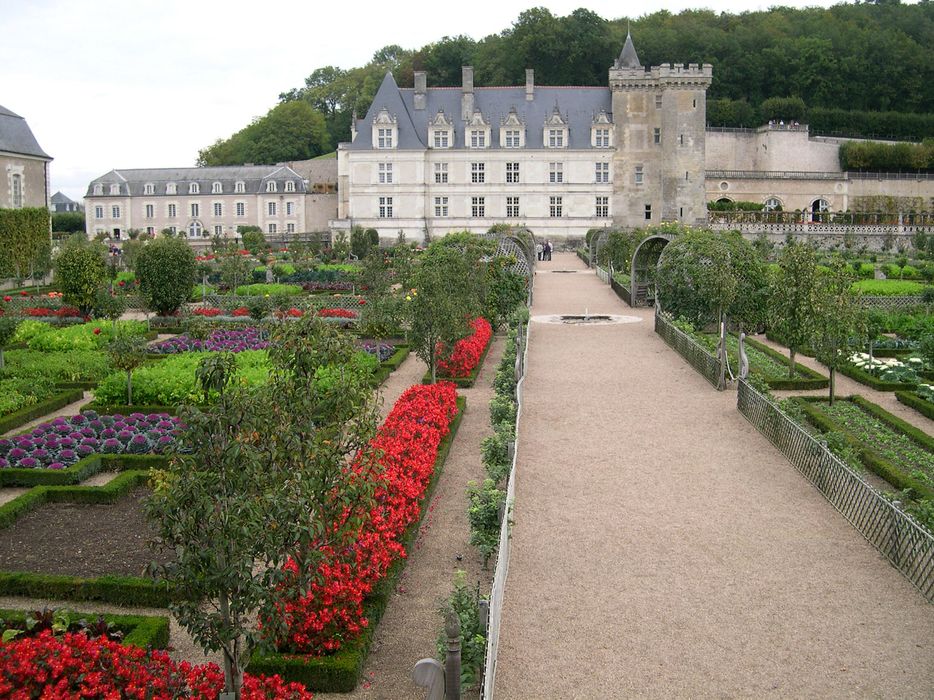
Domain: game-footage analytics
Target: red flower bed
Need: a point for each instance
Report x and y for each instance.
(74, 666)
(242, 311)
(337, 313)
(332, 611)
(44, 312)
(206, 311)
(467, 351)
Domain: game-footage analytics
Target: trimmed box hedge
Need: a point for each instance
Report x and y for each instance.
(79, 471)
(111, 409)
(864, 377)
(145, 631)
(117, 590)
(24, 415)
(874, 462)
(911, 399)
(340, 672)
(807, 377)
(470, 379)
(390, 365)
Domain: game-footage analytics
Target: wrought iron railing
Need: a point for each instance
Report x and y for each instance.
(900, 539)
(696, 355)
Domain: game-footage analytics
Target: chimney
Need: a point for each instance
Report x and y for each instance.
(421, 84)
(467, 97)
(529, 84)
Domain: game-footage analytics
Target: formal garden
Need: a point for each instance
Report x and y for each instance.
(216, 449)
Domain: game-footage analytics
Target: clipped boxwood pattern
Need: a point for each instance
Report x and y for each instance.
(16, 419)
(340, 672)
(865, 378)
(922, 406)
(144, 631)
(806, 377)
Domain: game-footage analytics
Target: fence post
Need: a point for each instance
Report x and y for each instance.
(452, 659)
(896, 533)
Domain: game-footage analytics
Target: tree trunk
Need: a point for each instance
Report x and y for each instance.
(833, 373)
(2, 359)
(791, 362)
(129, 387)
(233, 674)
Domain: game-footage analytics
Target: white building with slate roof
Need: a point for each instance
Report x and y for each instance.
(559, 160)
(24, 166)
(199, 202)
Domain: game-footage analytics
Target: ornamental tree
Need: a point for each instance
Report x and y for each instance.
(165, 269)
(269, 476)
(839, 317)
(126, 353)
(793, 298)
(696, 280)
(80, 270)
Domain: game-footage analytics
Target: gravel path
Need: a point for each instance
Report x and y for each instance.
(663, 548)
(68, 410)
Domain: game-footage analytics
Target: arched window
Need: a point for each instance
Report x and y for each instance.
(194, 229)
(217, 188)
(17, 187)
(271, 186)
(115, 189)
(98, 190)
(149, 188)
(171, 188)
(773, 204)
(818, 208)
(194, 188)
(239, 188)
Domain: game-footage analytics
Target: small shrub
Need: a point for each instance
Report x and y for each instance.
(268, 289)
(465, 604)
(483, 512)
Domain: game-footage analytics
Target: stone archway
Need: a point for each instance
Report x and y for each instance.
(644, 261)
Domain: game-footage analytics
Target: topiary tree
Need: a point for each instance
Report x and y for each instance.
(253, 238)
(80, 270)
(165, 269)
(8, 326)
(839, 318)
(127, 352)
(109, 305)
(234, 270)
(793, 299)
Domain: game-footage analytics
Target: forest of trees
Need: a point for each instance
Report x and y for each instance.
(864, 69)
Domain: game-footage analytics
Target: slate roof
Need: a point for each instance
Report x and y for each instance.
(17, 137)
(133, 181)
(61, 198)
(577, 105)
(628, 58)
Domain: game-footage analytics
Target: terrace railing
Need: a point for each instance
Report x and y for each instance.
(900, 539)
(697, 356)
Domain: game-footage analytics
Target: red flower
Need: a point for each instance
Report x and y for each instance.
(336, 313)
(467, 351)
(209, 312)
(7, 298)
(362, 302)
(97, 331)
(121, 283)
(242, 311)
(24, 293)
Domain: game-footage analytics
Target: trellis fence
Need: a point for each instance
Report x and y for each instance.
(696, 355)
(502, 557)
(603, 274)
(892, 303)
(908, 546)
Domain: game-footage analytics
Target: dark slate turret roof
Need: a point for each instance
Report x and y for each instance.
(16, 136)
(628, 58)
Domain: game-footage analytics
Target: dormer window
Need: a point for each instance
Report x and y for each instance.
(477, 138)
(442, 139)
(98, 190)
(384, 138)
(601, 133)
(115, 189)
(217, 188)
(555, 134)
(289, 186)
(271, 186)
(239, 188)
(171, 188)
(556, 138)
(385, 130)
(478, 132)
(512, 131)
(441, 134)
(194, 188)
(149, 188)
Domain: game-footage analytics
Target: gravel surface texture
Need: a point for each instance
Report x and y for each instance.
(663, 548)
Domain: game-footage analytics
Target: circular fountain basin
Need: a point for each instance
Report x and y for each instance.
(586, 319)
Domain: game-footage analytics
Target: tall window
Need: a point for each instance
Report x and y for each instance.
(658, 101)
(149, 188)
(773, 204)
(172, 211)
(218, 230)
(441, 206)
(239, 188)
(98, 212)
(657, 135)
(603, 207)
(477, 138)
(384, 138)
(98, 190)
(441, 173)
(195, 209)
(217, 188)
(639, 174)
(555, 207)
(171, 188)
(556, 172)
(512, 207)
(648, 212)
(290, 227)
(385, 173)
(115, 189)
(150, 211)
(218, 209)
(556, 138)
(478, 172)
(478, 207)
(194, 229)
(271, 186)
(271, 227)
(271, 208)
(151, 230)
(602, 138)
(512, 172)
(194, 188)
(602, 172)
(289, 208)
(385, 207)
(441, 139)
(680, 139)
(241, 208)
(289, 186)
(115, 212)
(512, 138)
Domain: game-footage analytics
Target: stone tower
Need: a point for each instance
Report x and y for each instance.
(659, 116)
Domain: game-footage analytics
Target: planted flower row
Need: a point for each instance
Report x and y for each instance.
(250, 338)
(331, 613)
(64, 441)
(466, 354)
(889, 369)
(75, 665)
(293, 312)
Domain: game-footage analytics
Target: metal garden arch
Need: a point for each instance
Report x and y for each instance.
(644, 262)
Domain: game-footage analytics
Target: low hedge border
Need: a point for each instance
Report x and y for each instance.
(84, 385)
(390, 365)
(807, 352)
(110, 409)
(583, 255)
(865, 378)
(911, 399)
(809, 378)
(145, 631)
(79, 471)
(341, 672)
(874, 462)
(621, 291)
(915, 434)
(470, 379)
(30, 413)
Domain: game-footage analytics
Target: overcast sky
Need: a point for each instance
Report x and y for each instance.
(136, 83)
